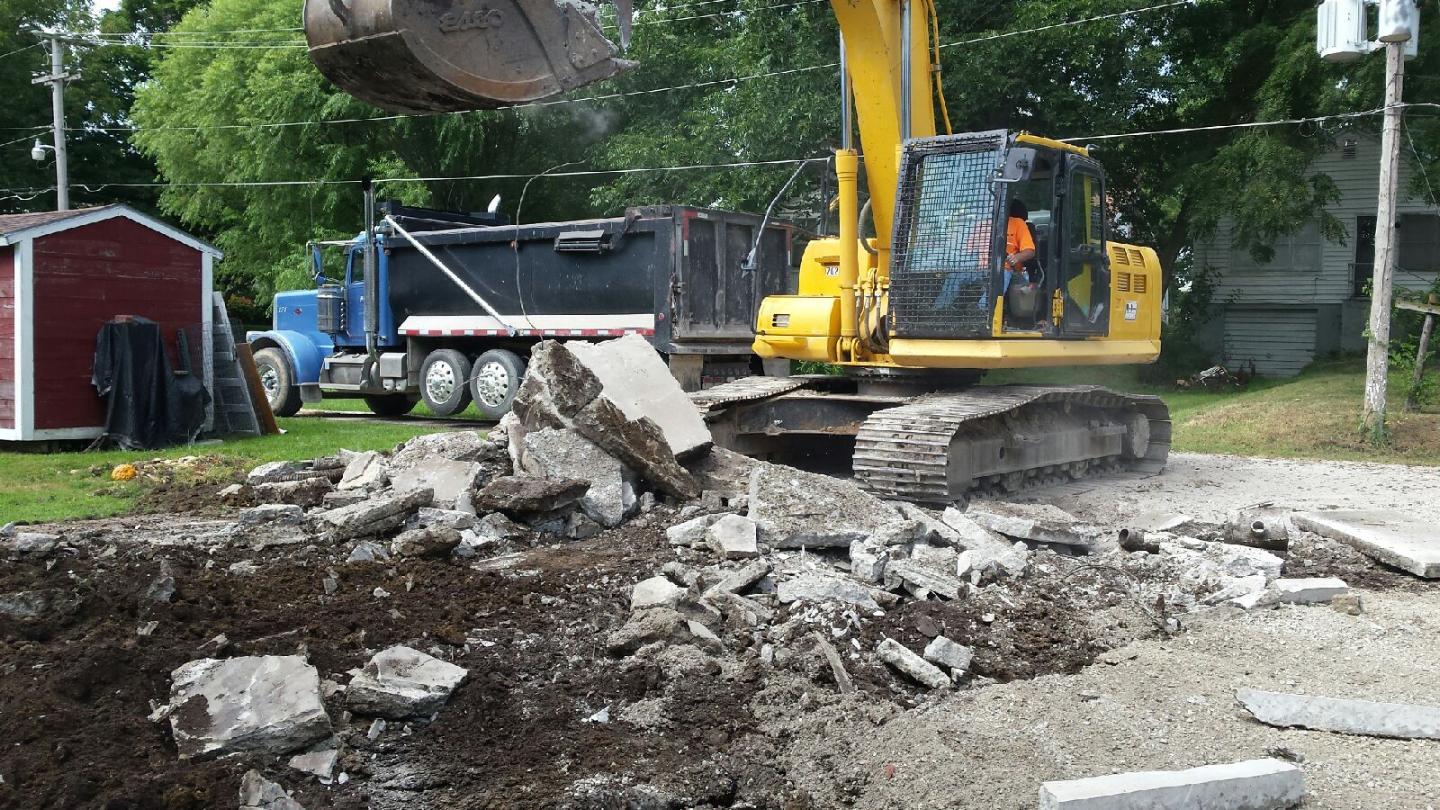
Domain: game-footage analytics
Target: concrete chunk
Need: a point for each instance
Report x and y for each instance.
(817, 586)
(733, 537)
(555, 453)
(1408, 542)
(918, 577)
(529, 494)
(365, 471)
(372, 516)
(403, 682)
(647, 627)
(1309, 591)
(1257, 784)
(428, 541)
(943, 651)
(655, 592)
(619, 395)
(259, 793)
(796, 508)
(918, 669)
(1399, 720)
(971, 535)
(868, 560)
(741, 578)
(452, 482)
(692, 532)
(1036, 522)
(264, 703)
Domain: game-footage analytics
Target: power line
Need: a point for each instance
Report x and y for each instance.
(1242, 125)
(151, 34)
(20, 50)
(632, 93)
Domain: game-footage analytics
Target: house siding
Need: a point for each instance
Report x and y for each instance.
(1308, 271)
(7, 337)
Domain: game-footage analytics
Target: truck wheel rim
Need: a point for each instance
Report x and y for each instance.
(270, 381)
(492, 382)
(440, 382)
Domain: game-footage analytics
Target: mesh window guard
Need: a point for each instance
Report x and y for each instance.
(946, 209)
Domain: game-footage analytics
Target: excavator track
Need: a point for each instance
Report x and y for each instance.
(943, 447)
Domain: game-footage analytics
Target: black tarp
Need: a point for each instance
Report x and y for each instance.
(147, 405)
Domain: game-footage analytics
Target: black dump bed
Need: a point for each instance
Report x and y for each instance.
(681, 264)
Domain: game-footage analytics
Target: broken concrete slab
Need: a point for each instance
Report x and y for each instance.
(529, 494)
(971, 535)
(1309, 591)
(263, 703)
(934, 530)
(459, 445)
(401, 682)
(561, 390)
(433, 542)
(733, 537)
(371, 516)
(797, 509)
(560, 453)
(305, 492)
(741, 578)
(819, 586)
(946, 653)
(1036, 522)
(634, 377)
(992, 561)
(320, 764)
(908, 663)
(920, 580)
(868, 560)
(259, 793)
(277, 471)
(647, 627)
(453, 482)
(453, 518)
(655, 592)
(691, 533)
(364, 471)
(1362, 717)
(1409, 542)
(30, 544)
(723, 472)
(1257, 784)
(368, 551)
(280, 513)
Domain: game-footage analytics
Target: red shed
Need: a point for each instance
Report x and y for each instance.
(63, 274)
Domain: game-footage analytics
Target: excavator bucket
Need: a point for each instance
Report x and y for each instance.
(452, 55)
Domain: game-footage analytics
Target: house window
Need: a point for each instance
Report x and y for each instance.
(1364, 268)
(1296, 253)
(1348, 149)
(1417, 245)
(1420, 243)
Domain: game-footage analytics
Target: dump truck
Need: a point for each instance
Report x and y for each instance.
(443, 308)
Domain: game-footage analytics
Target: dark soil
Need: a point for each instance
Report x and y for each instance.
(79, 681)
(1311, 555)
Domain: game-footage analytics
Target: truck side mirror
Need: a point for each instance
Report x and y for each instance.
(1019, 162)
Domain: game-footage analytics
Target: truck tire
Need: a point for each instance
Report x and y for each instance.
(444, 382)
(278, 380)
(390, 404)
(494, 381)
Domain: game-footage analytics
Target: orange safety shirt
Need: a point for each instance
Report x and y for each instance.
(1017, 238)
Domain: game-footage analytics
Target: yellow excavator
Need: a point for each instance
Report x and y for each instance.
(913, 316)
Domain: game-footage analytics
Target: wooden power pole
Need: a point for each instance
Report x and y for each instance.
(1377, 360)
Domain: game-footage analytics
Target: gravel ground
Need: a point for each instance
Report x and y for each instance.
(1170, 706)
(1205, 487)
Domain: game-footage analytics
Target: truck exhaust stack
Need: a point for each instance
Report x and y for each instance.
(452, 55)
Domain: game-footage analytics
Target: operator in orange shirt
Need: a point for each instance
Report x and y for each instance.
(1019, 244)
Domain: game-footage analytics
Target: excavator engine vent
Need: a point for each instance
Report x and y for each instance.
(946, 210)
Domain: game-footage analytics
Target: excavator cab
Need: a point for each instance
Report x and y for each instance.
(947, 279)
(451, 55)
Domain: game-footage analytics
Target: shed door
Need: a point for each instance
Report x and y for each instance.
(1280, 341)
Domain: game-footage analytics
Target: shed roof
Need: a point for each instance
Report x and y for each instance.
(15, 227)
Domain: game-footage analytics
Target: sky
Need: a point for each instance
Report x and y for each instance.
(104, 5)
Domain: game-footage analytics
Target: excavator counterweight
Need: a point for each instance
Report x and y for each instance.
(452, 55)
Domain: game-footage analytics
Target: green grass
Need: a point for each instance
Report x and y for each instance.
(358, 406)
(58, 486)
(1313, 415)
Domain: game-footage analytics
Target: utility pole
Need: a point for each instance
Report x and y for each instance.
(57, 79)
(1377, 359)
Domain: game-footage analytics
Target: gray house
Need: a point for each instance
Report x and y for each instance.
(1311, 299)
